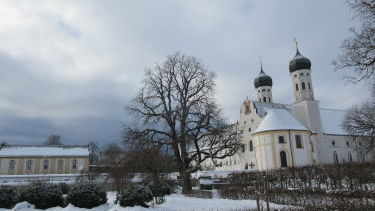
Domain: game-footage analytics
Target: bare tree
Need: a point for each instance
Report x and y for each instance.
(53, 140)
(176, 107)
(358, 52)
(94, 153)
(359, 123)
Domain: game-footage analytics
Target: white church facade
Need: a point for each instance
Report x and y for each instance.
(275, 136)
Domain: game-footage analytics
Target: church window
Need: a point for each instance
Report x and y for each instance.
(350, 158)
(298, 141)
(303, 85)
(295, 75)
(283, 160)
(249, 129)
(268, 90)
(281, 140)
(60, 165)
(263, 90)
(347, 143)
(335, 158)
(301, 73)
(264, 99)
(29, 165)
(12, 164)
(246, 166)
(259, 90)
(45, 164)
(333, 143)
(309, 85)
(296, 87)
(251, 148)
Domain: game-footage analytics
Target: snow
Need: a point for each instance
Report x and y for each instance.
(174, 202)
(332, 120)
(262, 108)
(279, 119)
(43, 151)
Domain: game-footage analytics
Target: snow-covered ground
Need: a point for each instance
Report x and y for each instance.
(174, 202)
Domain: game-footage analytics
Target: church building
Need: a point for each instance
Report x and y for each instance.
(275, 135)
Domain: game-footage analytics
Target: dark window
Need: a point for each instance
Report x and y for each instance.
(333, 143)
(263, 90)
(347, 143)
(350, 158)
(309, 85)
(249, 129)
(264, 99)
(246, 166)
(251, 146)
(303, 85)
(335, 158)
(307, 73)
(74, 165)
(259, 90)
(281, 140)
(298, 141)
(301, 73)
(45, 164)
(297, 87)
(268, 90)
(295, 75)
(283, 160)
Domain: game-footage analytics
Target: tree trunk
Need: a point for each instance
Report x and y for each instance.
(186, 182)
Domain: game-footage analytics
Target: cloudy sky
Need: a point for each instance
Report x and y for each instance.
(71, 67)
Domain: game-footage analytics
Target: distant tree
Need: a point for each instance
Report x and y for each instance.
(2, 144)
(94, 152)
(53, 140)
(113, 154)
(176, 107)
(359, 123)
(357, 57)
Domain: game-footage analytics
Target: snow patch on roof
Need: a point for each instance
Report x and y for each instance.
(43, 151)
(279, 119)
(332, 120)
(262, 108)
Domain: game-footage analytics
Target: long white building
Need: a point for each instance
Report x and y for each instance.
(277, 135)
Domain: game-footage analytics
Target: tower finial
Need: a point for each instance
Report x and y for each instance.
(296, 42)
(261, 64)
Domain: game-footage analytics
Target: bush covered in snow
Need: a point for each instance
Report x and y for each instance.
(87, 195)
(43, 195)
(135, 195)
(159, 188)
(8, 197)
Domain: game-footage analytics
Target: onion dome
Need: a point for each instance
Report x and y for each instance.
(299, 62)
(262, 79)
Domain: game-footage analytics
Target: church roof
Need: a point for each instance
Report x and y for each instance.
(43, 151)
(332, 120)
(262, 107)
(279, 119)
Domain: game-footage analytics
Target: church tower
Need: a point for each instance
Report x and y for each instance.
(263, 86)
(299, 68)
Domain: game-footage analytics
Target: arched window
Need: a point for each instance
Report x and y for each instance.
(283, 160)
(350, 158)
(45, 164)
(12, 164)
(296, 87)
(60, 165)
(335, 158)
(251, 146)
(298, 141)
(264, 99)
(303, 85)
(29, 165)
(281, 140)
(74, 164)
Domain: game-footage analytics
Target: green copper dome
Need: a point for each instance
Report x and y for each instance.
(299, 62)
(262, 79)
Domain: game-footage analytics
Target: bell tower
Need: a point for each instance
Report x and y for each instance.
(263, 86)
(299, 68)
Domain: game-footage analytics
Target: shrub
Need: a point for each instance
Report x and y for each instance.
(43, 195)
(87, 195)
(135, 195)
(159, 188)
(64, 188)
(8, 197)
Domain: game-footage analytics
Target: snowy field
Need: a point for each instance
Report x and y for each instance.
(174, 202)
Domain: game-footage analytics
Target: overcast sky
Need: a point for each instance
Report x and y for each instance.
(71, 67)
